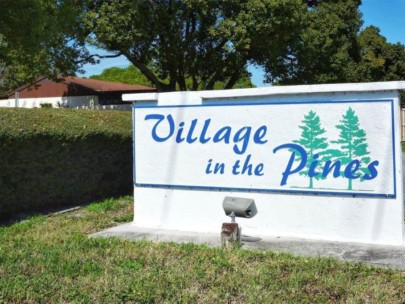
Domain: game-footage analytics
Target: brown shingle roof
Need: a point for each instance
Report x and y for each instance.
(93, 84)
(106, 86)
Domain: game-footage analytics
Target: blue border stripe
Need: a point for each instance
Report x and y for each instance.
(265, 103)
(393, 148)
(133, 146)
(280, 191)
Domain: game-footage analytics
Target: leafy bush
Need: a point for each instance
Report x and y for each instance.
(52, 157)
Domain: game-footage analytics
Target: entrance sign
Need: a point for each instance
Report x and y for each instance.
(320, 162)
(313, 147)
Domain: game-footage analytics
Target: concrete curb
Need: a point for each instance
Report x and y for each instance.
(376, 255)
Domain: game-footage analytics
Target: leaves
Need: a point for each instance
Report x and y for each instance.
(194, 44)
(37, 38)
(48, 159)
(380, 60)
(129, 75)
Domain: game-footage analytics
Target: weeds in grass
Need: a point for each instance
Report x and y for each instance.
(123, 218)
(106, 205)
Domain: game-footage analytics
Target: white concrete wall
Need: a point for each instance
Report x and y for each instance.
(339, 218)
(76, 102)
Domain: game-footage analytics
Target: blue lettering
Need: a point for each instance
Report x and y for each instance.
(179, 139)
(329, 167)
(289, 171)
(351, 169)
(259, 134)
(235, 168)
(190, 138)
(311, 171)
(223, 134)
(372, 169)
(185, 132)
(220, 167)
(203, 139)
(208, 170)
(242, 134)
(160, 118)
(247, 166)
(259, 169)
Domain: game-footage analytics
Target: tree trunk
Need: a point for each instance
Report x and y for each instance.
(231, 82)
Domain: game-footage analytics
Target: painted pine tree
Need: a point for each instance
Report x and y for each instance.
(313, 142)
(353, 142)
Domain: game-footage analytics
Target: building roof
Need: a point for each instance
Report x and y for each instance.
(106, 86)
(88, 84)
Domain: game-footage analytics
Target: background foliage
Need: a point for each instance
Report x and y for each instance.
(194, 44)
(203, 41)
(40, 37)
(132, 75)
(53, 158)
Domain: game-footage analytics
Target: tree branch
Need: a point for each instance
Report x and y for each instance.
(195, 83)
(213, 80)
(234, 78)
(160, 86)
(98, 56)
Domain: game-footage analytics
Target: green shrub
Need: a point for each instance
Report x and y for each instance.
(46, 105)
(52, 157)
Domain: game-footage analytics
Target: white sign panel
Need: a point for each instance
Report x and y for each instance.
(320, 147)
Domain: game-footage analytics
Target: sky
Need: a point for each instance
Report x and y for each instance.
(388, 15)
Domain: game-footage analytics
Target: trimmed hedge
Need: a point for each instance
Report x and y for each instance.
(51, 158)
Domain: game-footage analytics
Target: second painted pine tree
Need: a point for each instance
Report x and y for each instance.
(353, 143)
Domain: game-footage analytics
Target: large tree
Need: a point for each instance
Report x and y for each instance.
(207, 41)
(197, 44)
(380, 60)
(39, 37)
(327, 48)
(332, 48)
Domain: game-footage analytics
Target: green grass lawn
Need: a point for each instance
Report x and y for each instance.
(52, 260)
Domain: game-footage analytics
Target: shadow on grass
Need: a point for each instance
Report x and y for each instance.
(106, 204)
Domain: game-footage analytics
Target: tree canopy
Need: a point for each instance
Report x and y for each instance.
(197, 44)
(39, 37)
(327, 48)
(380, 60)
(206, 41)
(131, 75)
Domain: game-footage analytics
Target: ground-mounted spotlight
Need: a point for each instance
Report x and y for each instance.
(235, 207)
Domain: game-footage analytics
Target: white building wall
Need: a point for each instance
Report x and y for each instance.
(76, 102)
